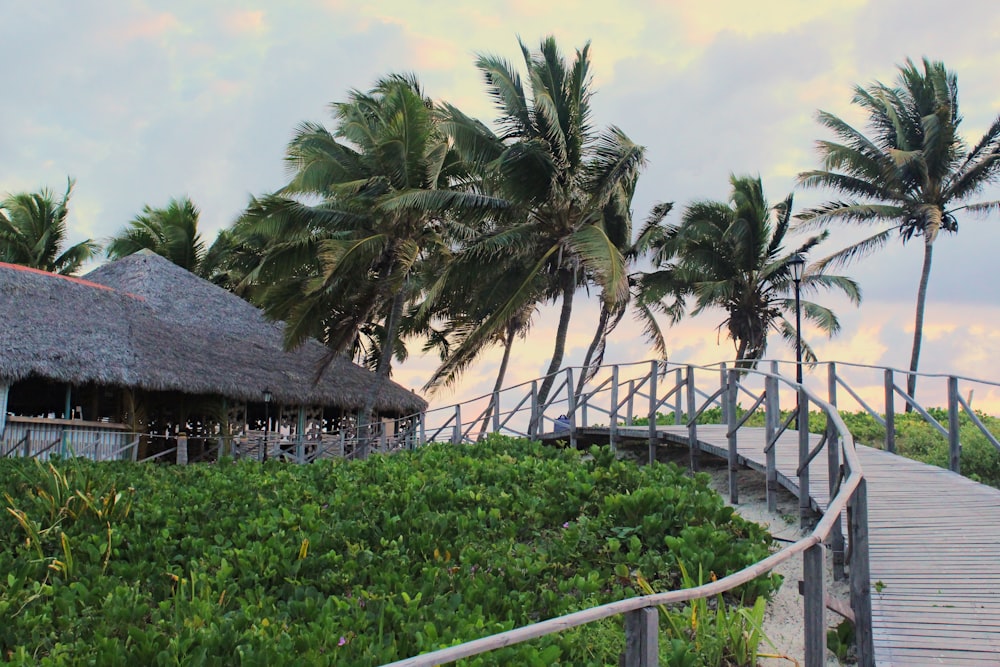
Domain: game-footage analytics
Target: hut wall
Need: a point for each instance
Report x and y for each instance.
(42, 438)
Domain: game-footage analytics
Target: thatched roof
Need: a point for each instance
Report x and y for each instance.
(144, 322)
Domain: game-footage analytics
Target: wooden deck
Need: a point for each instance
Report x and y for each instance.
(934, 545)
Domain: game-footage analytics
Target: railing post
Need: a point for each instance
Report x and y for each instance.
(383, 439)
(834, 475)
(534, 419)
(954, 444)
(571, 406)
(692, 401)
(722, 384)
(890, 413)
(814, 606)
(26, 450)
(613, 426)
(631, 401)
(496, 412)
(423, 430)
(456, 433)
(653, 372)
(772, 417)
(860, 584)
(730, 412)
(678, 398)
(803, 426)
(642, 628)
(182, 449)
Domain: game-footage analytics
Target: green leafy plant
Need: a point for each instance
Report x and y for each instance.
(348, 563)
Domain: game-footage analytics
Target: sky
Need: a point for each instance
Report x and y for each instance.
(144, 101)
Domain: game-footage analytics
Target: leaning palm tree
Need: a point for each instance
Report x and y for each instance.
(611, 315)
(33, 231)
(908, 177)
(170, 232)
(732, 255)
(560, 175)
(367, 205)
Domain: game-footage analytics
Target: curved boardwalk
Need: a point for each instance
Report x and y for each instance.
(934, 545)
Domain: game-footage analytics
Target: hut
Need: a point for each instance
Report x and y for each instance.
(142, 347)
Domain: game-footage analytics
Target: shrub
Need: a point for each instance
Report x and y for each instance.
(343, 563)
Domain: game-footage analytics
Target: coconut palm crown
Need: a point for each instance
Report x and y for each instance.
(564, 179)
(733, 255)
(33, 231)
(909, 176)
(170, 232)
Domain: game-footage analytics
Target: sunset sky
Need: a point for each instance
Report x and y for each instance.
(144, 101)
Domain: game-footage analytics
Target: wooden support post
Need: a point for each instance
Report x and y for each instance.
(836, 538)
(300, 436)
(631, 400)
(68, 414)
(496, 412)
(890, 413)
(732, 387)
(571, 406)
(613, 426)
(861, 591)
(642, 628)
(954, 444)
(814, 606)
(805, 510)
(772, 417)
(535, 417)
(4, 391)
(456, 432)
(678, 398)
(692, 400)
(423, 429)
(182, 449)
(653, 374)
(383, 438)
(722, 397)
(26, 449)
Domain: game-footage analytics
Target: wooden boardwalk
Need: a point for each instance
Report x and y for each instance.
(934, 545)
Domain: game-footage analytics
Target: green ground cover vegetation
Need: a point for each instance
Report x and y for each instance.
(359, 563)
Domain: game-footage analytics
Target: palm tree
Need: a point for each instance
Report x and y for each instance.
(909, 177)
(650, 236)
(560, 176)
(170, 232)
(732, 255)
(33, 231)
(367, 205)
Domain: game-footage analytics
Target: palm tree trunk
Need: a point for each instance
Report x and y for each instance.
(602, 326)
(918, 325)
(508, 344)
(381, 375)
(569, 289)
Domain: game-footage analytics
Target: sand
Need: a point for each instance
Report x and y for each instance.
(783, 622)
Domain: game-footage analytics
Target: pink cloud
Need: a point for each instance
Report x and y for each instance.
(243, 22)
(147, 27)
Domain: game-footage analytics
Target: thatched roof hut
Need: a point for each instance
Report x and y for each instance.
(143, 322)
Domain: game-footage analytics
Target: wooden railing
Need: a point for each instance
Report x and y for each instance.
(618, 396)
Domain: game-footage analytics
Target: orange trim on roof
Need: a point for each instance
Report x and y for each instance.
(73, 279)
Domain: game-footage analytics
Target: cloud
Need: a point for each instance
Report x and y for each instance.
(142, 105)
